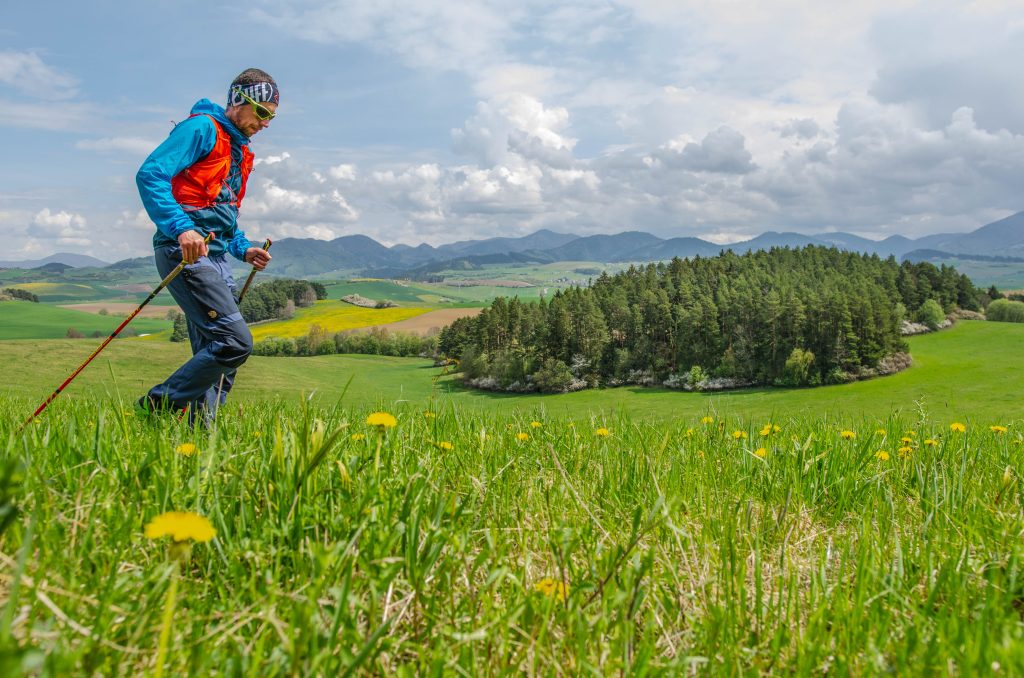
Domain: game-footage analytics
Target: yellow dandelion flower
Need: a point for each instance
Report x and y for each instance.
(602, 432)
(522, 437)
(766, 430)
(689, 432)
(446, 446)
(381, 420)
(186, 449)
(427, 414)
(356, 437)
(180, 526)
(906, 441)
(707, 420)
(931, 442)
(880, 432)
(552, 589)
(739, 435)
(847, 435)
(911, 434)
(997, 429)
(535, 424)
(256, 434)
(761, 452)
(905, 451)
(957, 427)
(882, 455)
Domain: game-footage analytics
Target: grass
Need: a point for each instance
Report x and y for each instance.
(333, 316)
(973, 371)
(26, 320)
(474, 541)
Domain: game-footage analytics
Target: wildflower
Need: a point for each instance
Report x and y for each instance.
(602, 432)
(905, 451)
(880, 431)
(535, 424)
(882, 455)
(847, 435)
(957, 427)
(522, 437)
(739, 435)
(707, 420)
(906, 441)
(700, 453)
(769, 429)
(997, 429)
(552, 589)
(761, 452)
(356, 437)
(180, 526)
(427, 414)
(689, 432)
(186, 449)
(381, 420)
(911, 434)
(930, 442)
(446, 446)
(256, 434)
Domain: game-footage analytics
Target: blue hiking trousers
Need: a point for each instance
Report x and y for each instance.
(220, 339)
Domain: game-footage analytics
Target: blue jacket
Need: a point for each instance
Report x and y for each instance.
(190, 141)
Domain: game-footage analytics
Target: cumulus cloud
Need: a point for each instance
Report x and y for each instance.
(64, 228)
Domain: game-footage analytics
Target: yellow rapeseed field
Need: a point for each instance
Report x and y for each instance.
(333, 316)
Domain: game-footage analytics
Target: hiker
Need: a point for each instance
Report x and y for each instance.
(192, 186)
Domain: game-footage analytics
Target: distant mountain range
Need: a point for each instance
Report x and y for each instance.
(65, 258)
(1002, 240)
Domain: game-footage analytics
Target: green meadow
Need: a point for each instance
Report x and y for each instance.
(870, 528)
(25, 320)
(974, 370)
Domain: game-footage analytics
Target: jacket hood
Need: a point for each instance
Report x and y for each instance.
(207, 107)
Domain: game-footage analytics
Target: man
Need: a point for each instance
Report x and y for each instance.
(192, 186)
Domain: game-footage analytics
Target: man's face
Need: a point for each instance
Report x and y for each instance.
(244, 117)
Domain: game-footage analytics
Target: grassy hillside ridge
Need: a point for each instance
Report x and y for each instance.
(974, 370)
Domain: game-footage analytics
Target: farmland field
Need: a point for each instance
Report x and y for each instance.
(858, 529)
(333, 316)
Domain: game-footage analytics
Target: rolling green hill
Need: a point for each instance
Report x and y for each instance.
(25, 320)
(972, 371)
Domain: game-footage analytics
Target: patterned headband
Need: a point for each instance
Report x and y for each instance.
(258, 91)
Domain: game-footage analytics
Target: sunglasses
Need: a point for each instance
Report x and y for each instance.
(261, 111)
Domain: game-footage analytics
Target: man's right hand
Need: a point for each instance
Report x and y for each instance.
(193, 246)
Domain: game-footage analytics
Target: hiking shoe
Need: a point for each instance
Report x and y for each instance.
(147, 406)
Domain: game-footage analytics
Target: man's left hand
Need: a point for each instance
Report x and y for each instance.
(258, 257)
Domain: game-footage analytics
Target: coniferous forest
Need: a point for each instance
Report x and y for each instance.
(780, 317)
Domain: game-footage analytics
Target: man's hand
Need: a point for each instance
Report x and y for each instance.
(258, 257)
(193, 246)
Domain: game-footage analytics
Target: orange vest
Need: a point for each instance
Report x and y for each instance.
(199, 185)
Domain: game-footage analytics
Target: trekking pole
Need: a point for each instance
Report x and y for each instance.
(245, 288)
(252, 274)
(163, 283)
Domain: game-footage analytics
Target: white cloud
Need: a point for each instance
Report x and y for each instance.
(27, 73)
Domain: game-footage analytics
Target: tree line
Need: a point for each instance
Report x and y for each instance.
(376, 341)
(783, 316)
(277, 298)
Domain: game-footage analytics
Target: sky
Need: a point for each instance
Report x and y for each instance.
(438, 121)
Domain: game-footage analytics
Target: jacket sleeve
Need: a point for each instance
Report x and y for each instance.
(239, 244)
(190, 141)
